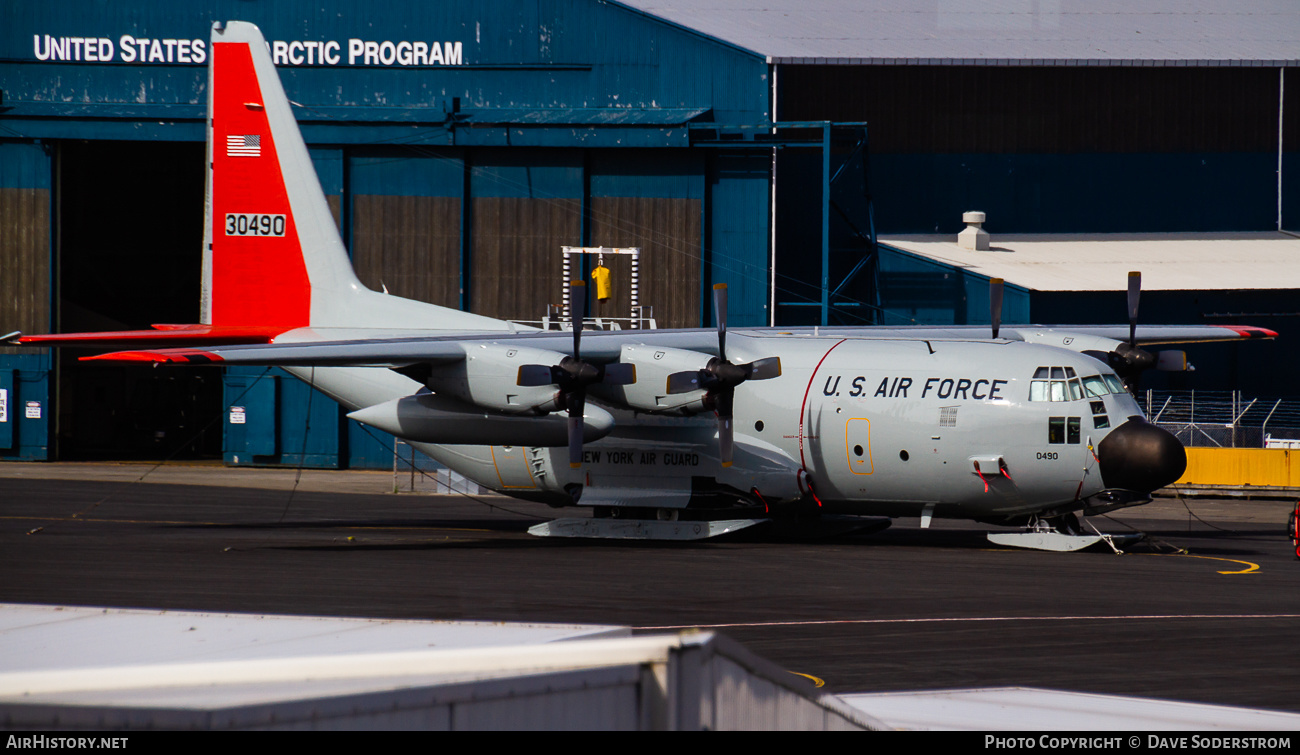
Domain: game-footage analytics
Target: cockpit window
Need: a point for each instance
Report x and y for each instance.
(1064, 384)
(1058, 384)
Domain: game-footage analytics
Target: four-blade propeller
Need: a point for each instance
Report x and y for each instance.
(1127, 359)
(572, 375)
(720, 377)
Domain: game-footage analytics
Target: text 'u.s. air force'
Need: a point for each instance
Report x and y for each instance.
(959, 388)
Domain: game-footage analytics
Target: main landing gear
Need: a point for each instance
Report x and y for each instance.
(1061, 534)
(641, 523)
(640, 529)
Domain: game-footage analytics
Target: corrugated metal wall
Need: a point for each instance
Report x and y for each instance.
(1060, 109)
(739, 189)
(525, 205)
(512, 54)
(25, 247)
(435, 201)
(24, 238)
(406, 223)
(652, 200)
(1061, 149)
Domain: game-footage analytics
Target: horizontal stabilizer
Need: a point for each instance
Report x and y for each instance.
(158, 356)
(161, 335)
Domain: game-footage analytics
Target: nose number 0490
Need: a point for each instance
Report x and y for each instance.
(253, 224)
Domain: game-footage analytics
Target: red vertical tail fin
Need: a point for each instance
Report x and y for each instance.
(272, 254)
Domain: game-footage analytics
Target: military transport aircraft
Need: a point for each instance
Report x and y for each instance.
(663, 434)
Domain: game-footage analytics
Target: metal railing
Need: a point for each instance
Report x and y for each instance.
(1226, 419)
(643, 318)
(413, 472)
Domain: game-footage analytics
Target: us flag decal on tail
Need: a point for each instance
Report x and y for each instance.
(244, 145)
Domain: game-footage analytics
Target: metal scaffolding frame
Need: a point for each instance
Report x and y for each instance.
(796, 135)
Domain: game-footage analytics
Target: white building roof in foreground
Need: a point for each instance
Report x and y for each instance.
(106, 668)
(1101, 262)
(48, 638)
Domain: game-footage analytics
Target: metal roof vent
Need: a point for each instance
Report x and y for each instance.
(974, 237)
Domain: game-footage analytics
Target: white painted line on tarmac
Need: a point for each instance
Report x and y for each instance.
(952, 619)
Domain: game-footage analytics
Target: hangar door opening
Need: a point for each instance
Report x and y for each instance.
(129, 239)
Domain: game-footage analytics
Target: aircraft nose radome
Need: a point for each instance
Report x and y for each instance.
(1139, 456)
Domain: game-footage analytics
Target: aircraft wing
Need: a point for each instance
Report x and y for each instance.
(441, 347)
(1148, 335)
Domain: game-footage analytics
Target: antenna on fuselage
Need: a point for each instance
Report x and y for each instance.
(995, 304)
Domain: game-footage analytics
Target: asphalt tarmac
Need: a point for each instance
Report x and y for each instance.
(1207, 609)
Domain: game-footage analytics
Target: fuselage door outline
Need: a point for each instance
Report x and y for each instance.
(857, 445)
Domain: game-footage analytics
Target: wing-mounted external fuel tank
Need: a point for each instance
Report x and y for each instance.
(435, 418)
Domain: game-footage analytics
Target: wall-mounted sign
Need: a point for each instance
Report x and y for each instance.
(298, 52)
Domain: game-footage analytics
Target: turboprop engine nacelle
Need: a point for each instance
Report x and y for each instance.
(488, 377)
(1118, 354)
(431, 418)
(650, 391)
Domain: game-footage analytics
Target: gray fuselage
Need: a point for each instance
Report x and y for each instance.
(861, 425)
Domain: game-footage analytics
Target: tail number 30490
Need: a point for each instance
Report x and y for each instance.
(253, 224)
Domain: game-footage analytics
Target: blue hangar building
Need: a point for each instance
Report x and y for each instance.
(776, 147)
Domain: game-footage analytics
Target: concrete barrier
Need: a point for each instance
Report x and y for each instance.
(1242, 467)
